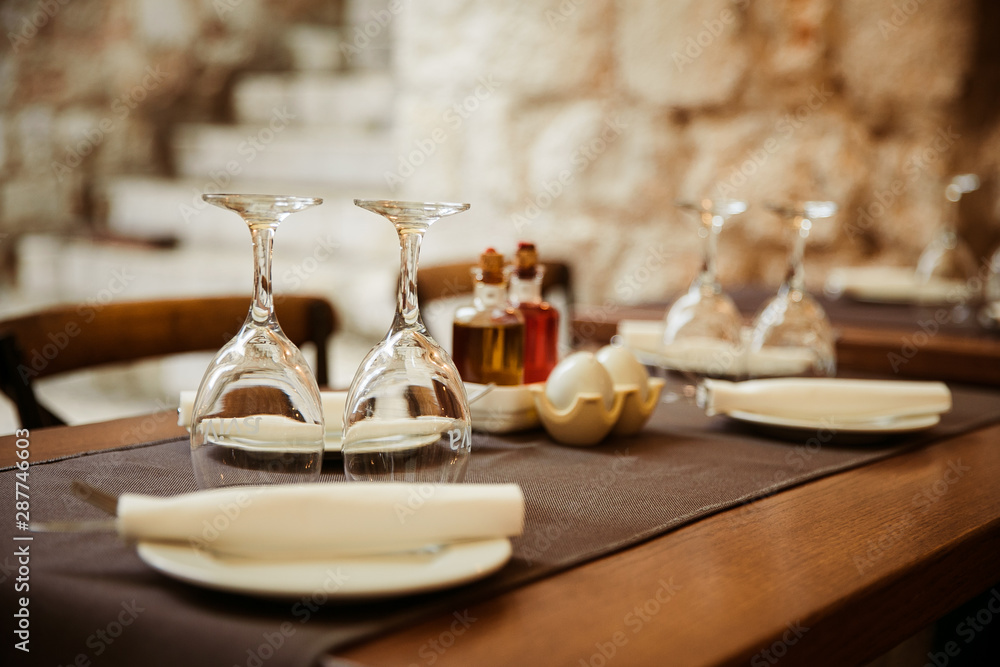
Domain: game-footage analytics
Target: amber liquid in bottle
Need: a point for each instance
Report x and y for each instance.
(491, 353)
(488, 336)
(541, 320)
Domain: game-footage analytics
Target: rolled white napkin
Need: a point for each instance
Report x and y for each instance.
(387, 435)
(834, 399)
(310, 521)
(707, 356)
(894, 284)
(642, 334)
(263, 432)
(776, 361)
(333, 409)
(703, 355)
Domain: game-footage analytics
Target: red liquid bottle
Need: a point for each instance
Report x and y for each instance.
(541, 320)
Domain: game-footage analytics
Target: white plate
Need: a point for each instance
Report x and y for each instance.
(342, 577)
(897, 425)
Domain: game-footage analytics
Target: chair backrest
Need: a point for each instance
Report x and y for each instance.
(67, 338)
(450, 280)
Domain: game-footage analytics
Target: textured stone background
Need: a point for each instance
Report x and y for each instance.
(67, 66)
(763, 100)
(574, 124)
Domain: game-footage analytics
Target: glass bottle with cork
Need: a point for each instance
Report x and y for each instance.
(488, 336)
(541, 319)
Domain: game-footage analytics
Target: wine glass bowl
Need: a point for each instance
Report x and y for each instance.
(948, 258)
(791, 334)
(989, 313)
(702, 327)
(257, 416)
(407, 414)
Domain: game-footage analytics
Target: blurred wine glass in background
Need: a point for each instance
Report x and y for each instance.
(989, 314)
(791, 334)
(702, 328)
(947, 258)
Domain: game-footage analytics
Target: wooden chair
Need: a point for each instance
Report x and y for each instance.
(67, 338)
(450, 280)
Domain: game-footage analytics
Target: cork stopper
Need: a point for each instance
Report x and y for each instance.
(491, 265)
(527, 260)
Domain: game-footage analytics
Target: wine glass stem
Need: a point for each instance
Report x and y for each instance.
(949, 230)
(407, 308)
(795, 276)
(709, 250)
(262, 308)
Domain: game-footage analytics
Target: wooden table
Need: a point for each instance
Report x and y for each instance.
(836, 571)
(854, 557)
(748, 578)
(853, 563)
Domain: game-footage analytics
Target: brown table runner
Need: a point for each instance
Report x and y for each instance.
(92, 601)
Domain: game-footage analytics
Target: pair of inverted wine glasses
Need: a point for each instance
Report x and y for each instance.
(258, 413)
(704, 334)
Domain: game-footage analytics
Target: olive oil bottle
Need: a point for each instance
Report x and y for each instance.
(488, 335)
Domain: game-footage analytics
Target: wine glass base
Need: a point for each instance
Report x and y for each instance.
(386, 452)
(225, 464)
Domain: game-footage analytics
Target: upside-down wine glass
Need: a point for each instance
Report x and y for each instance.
(257, 415)
(701, 333)
(791, 334)
(947, 262)
(407, 415)
(989, 313)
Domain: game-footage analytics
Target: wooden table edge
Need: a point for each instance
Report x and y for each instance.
(957, 567)
(851, 626)
(58, 441)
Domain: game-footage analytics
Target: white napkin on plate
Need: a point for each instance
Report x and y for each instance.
(694, 355)
(894, 284)
(708, 356)
(309, 521)
(333, 410)
(835, 399)
(642, 334)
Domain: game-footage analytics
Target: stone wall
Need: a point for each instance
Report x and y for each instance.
(577, 124)
(91, 89)
(574, 124)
